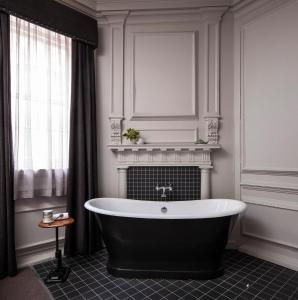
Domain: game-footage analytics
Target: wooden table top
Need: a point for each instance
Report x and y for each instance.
(57, 223)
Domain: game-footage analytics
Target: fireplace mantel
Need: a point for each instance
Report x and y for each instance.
(157, 146)
(170, 154)
(186, 154)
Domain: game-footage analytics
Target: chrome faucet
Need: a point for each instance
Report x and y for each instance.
(164, 189)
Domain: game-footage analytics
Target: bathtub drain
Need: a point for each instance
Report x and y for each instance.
(164, 210)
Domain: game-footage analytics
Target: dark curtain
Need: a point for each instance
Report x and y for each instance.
(83, 237)
(7, 243)
(54, 16)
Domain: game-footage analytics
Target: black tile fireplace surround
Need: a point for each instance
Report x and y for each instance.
(186, 183)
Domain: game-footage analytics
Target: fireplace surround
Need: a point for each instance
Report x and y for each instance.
(187, 155)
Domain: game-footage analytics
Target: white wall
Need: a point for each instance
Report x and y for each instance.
(165, 86)
(266, 105)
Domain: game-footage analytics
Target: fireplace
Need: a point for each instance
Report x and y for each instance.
(165, 155)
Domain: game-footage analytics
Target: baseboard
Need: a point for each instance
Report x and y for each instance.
(40, 252)
(232, 244)
(272, 256)
(36, 253)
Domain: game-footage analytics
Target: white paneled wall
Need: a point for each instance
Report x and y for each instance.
(159, 71)
(266, 72)
(164, 72)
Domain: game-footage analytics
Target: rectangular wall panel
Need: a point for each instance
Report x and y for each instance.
(266, 72)
(268, 223)
(269, 84)
(164, 74)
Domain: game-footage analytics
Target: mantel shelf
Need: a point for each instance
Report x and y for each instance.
(164, 154)
(164, 147)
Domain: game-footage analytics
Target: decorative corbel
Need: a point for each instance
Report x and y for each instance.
(212, 130)
(115, 130)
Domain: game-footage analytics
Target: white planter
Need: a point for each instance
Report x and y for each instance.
(140, 141)
(133, 142)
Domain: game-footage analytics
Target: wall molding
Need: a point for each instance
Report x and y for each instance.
(103, 5)
(232, 244)
(274, 172)
(264, 238)
(270, 188)
(247, 9)
(24, 211)
(212, 62)
(37, 252)
(194, 98)
(87, 7)
(39, 204)
(116, 23)
(287, 205)
(211, 82)
(94, 8)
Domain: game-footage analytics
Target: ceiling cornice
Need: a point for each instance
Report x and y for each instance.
(95, 8)
(110, 5)
(87, 7)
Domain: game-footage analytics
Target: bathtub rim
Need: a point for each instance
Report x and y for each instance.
(240, 208)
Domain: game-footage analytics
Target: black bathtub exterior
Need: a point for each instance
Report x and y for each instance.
(165, 248)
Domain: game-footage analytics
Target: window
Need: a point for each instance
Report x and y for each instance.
(40, 91)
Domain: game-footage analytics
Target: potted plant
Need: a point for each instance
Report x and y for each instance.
(132, 135)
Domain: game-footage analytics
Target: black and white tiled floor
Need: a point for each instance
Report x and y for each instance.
(245, 278)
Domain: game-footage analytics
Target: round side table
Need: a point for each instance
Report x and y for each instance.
(60, 273)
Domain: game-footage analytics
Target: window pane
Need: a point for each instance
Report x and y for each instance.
(40, 83)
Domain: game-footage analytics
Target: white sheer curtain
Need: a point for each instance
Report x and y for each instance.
(40, 89)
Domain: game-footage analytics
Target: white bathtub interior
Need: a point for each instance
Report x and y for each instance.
(195, 209)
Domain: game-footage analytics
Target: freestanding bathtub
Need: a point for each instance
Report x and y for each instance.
(151, 239)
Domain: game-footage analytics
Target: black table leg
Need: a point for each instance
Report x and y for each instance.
(60, 274)
(58, 253)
